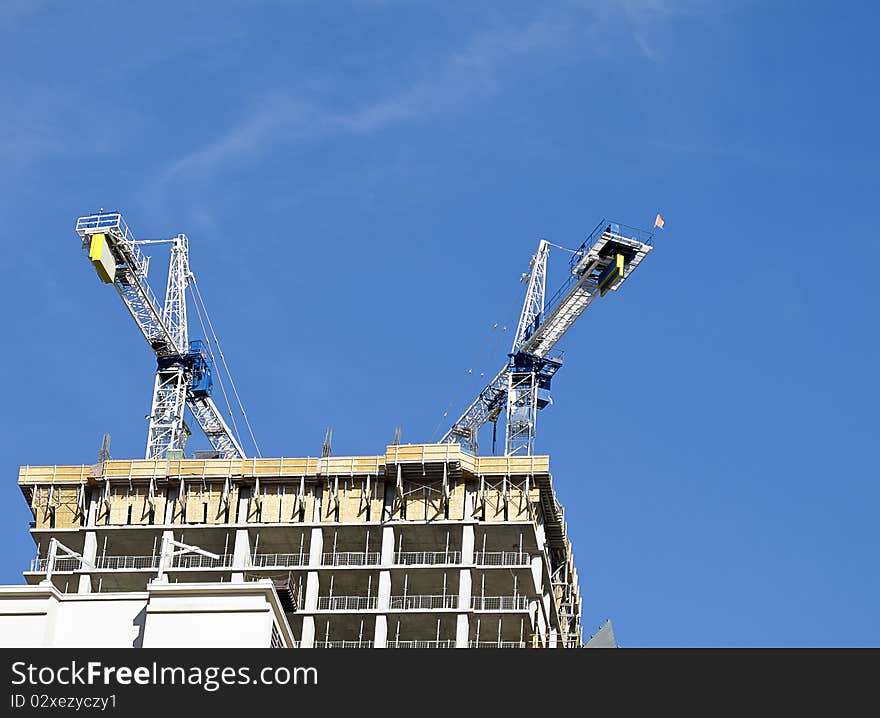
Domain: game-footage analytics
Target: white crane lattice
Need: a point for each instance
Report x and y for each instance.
(183, 373)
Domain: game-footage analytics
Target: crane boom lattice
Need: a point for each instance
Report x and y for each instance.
(522, 387)
(184, 369)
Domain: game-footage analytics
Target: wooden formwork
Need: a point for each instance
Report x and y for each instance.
(284, 490)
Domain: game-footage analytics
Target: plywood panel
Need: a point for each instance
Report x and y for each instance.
(350, 465)
(290, 505)
(140, 507)
(517, 506)
(308, 503)
(66, 509)
(271, 509)
(160, 499)
(457, 502)
(178, 510)
(56, 506)
(43, 512)
(435, 507)
(254, 509)
(329, 503)
(46, 475)
(377, 499)
(397, 506)
(216, 504)
(118, 507)
(351, 506)
(103, 510)
(522, 465)
(494, 503)
(233, 504)
(195, 505)
(416, 504)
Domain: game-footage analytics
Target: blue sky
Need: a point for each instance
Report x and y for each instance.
(363, 183)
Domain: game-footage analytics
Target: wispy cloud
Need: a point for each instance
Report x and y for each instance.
(492, 59)
(647, 21)
(485, 64)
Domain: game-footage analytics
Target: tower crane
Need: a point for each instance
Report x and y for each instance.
(601, 264)
(184, 368)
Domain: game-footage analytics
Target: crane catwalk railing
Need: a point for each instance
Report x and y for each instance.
(610, 246)
(134, 289)
(164, 326)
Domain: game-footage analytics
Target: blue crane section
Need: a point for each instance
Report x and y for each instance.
(602, 263)
(184, 369)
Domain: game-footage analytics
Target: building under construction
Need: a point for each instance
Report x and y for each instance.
(423, 545)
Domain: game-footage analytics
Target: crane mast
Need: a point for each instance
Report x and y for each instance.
(522, 387)
(167, 431)
(183, 368)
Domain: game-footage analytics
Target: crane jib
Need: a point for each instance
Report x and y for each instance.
(184, 369)
(601, 264)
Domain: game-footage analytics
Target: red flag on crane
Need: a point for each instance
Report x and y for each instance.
(658, 223)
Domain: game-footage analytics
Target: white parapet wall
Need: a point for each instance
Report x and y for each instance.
(221, 615)
(166, 615)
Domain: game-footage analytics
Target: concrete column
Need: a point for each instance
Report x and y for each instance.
(383, 596)
(533, 623)
(241, 552)
(464, 589)
(467, 545)
(380, 636)
(543, 617)
(538, 622)
(312, 590)
(92, 510)
(462, 630)
(244, 499)
(538, 574)
(465, 578)
(553, 637)
(90, 553)
(165, 557)
(311, 604)
(316, 547)
(316, 555)
(307, 640)
(387, 557)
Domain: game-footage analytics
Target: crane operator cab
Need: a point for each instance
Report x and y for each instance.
(612, 257)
